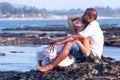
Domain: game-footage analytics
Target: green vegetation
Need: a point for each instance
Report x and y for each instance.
(8, 10)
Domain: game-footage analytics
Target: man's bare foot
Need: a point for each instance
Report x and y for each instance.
(44, 68)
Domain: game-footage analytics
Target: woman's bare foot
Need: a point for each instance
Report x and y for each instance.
(40, 62)
(44, 68)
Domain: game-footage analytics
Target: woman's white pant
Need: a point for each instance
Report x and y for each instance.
(47, 57)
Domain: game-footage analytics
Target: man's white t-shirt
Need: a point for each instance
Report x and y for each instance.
(95, 35)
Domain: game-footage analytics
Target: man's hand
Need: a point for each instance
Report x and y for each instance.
(52, 47)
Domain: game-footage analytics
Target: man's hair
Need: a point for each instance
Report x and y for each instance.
(92, 12)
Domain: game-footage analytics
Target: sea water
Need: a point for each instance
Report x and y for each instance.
(21, 23)
(19, 58)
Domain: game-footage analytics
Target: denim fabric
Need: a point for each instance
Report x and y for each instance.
(76, 51)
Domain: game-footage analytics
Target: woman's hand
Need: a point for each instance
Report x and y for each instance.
(74, 17)
(77, 41)
(52, 47)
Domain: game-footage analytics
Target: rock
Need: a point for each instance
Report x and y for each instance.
(17, 52)
(40, 28)
(111, 35)
(77, 71)
(2, 54)
(29, 38)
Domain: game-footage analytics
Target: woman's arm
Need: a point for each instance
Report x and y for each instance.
(84, 45)
(71, 24)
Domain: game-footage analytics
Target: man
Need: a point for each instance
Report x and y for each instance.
(92, 32)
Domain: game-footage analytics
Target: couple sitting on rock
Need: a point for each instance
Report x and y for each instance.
(86, 39)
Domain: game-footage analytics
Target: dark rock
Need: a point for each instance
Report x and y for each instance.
(111, 35)
(2, 54)
(39, 28)
(29, 38)
(17, 52)
(77, 71)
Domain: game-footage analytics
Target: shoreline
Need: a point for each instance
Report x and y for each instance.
(5, 19)
(39, 18)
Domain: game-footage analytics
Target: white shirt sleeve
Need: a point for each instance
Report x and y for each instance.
(90, 30)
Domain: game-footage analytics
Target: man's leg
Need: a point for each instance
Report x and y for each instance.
(62, 55)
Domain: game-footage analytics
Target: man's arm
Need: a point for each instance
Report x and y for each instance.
(70, 39)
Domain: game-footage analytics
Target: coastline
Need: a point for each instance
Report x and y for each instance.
(54, 18)
(33, 18)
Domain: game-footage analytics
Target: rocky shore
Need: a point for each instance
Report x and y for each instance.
(107, 69)
(111, 34)
(88, 70)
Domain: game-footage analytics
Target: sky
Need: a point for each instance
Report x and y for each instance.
(66, 4)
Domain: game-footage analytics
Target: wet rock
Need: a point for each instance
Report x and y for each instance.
(39, 28)
(16, 51)
(78, 71)
(29, 38)
(2, 54)
(111, 35)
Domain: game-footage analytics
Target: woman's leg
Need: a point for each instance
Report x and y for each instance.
(62, 55)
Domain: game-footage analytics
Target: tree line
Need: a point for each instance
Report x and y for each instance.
(8, 9)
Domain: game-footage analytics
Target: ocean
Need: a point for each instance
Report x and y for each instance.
(21, 23)
(25, 57)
